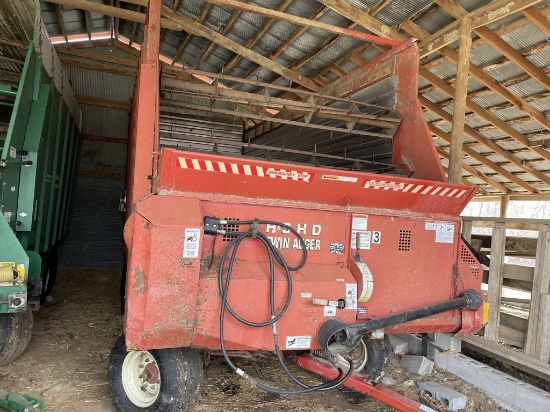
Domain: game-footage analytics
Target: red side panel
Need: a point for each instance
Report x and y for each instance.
(256, 179)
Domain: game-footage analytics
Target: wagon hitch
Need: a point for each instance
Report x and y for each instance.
(339, 337)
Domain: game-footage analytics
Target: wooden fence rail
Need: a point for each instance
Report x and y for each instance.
(532, 333)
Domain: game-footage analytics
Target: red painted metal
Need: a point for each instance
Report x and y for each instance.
(360, 384)
(143, 140)
(172, 294)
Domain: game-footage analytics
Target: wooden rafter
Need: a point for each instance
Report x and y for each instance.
(494, 40)
(59, 13)
(189, 35)
(496, 148)
(235, 47)
(117, 21)
(480, 17)
(88, 20)
(134, 27)
(481, 76)
(223, 32)
(116, 12)
(291, 18)
(252, 42)
(483, 160)
(474, 172)
(538, 18)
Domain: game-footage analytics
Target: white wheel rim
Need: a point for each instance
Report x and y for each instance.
(358, 356)
(141, 378)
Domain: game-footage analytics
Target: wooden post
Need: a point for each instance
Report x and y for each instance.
(542, 348)
(495, 280)
(467, 230)
(541, 285)
(459, 110)
(504, 202)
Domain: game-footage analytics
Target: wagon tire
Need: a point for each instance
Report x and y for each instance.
(15, 334)
(371, 357)
(173, 378)
(48, 274)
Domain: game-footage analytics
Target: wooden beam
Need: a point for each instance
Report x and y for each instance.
(480, 75)
(117, 20)
(474, 172)
(495, 280)
(103, 67)
(114, 12)
(504, 202)
(483, 160)
(541, 285)
(494, 40)
(189, 35)
(459, 110)
(256, 38)
(542, 349)
(376, 9)
(200, 30)
(102, 173)
(96, 56)
(98, 101)
(291, 18)
(483, 113)
(364, 19)
(485, 141)
(87, 19)
(536, 17)
(134, 27)
(96, 138)
(59, 13)
(480, 17)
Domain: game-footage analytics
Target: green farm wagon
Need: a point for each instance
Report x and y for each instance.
(39, 142)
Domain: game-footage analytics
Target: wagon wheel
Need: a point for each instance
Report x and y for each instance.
(166, 380)
(48, 273)
(370, 357)
(15, 334)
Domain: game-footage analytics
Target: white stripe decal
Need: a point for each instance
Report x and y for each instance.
(444, 191)
(247, 170)
(408, 187)
(427, 190)
(260, 171)
(196, 164)
(452, 193)
(417, 188)
(234, 168)
(221, 165)
(183, 163)
(461, 193)
(436, 190)
(209, 166)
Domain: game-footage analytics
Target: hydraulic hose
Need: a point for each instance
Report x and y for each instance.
(273, 254)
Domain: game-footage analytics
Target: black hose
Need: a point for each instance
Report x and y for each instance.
(272, 252)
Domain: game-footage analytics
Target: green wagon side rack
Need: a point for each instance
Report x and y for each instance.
(37, 176)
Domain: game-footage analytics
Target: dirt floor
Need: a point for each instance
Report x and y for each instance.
(66, 362)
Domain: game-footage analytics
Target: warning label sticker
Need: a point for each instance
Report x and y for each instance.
(298, 342)
(191, 243)
(335, 247)
(364, 239)
(329, 311)
(339, 178)
(351, 296)
(430, 225)
(359, 222)
(444, 232)
(13, 152)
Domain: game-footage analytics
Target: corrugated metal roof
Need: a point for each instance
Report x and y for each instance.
(315, 51)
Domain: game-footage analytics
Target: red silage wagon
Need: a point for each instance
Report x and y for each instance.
(240, 255)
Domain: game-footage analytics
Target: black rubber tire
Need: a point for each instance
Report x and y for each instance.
(49, 272)
(378, 357)
(15, 334)
(181, 378)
